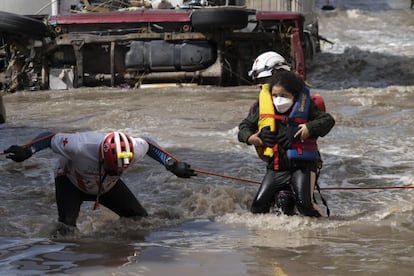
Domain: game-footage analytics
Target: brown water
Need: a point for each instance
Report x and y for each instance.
(202, 226)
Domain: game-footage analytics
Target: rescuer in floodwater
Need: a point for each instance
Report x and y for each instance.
(283, 125)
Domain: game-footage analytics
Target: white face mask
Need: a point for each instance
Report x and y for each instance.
(282, 104)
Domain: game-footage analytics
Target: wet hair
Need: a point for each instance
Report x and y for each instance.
(289, 80)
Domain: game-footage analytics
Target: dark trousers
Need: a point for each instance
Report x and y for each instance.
(298, 181)
(272, 183)
(119, 199)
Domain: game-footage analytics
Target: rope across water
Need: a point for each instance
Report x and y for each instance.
(200, 171)
(258, 182)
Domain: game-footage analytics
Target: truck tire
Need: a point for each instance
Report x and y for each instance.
(209, 19)
(21, 25)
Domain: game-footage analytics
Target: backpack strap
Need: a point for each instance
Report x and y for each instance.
(328, 212)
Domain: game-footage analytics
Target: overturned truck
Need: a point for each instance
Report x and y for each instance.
(209, 45)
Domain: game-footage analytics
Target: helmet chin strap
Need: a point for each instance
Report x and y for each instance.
(101, 180)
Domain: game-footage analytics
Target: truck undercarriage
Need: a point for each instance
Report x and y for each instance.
(215, 45)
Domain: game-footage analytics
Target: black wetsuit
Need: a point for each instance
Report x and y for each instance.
(292, 176)
(119, 199)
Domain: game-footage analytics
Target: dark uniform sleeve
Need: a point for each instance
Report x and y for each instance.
(320, 123)
(155, 151)
(248, 126)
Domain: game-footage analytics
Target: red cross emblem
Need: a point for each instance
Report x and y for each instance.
(65, 141)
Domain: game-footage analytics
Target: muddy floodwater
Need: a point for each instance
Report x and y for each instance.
(202, 225)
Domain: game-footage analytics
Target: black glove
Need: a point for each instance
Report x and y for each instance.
(268, 137)
(180, 169)
(18, 153)
(286, 137)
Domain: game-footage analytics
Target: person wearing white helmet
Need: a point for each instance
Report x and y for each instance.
(266, 64)
(90, 169)
(263, 67)
(267, 133)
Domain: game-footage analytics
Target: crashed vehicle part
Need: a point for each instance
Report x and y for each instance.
(204, 46)
(20, 24)
(160, 55)
(22, 63)
(210, 19)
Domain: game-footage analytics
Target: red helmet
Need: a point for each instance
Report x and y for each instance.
(319, 102)
(116, 152)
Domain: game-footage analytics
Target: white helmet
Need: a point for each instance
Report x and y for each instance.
(265, 63)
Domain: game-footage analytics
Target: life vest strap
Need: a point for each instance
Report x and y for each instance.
(298, 120)
(283, 118)
(305, 145)
(276, 157)
(275, 116)
(302, 146)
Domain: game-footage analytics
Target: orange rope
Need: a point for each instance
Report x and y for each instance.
(368, 188)
(227, 176)
(38, 140)
(34, 142)
(258, 182)
(325, 188)
(242, 179)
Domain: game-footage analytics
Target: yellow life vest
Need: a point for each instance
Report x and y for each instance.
(304, 150)
(266, 118)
